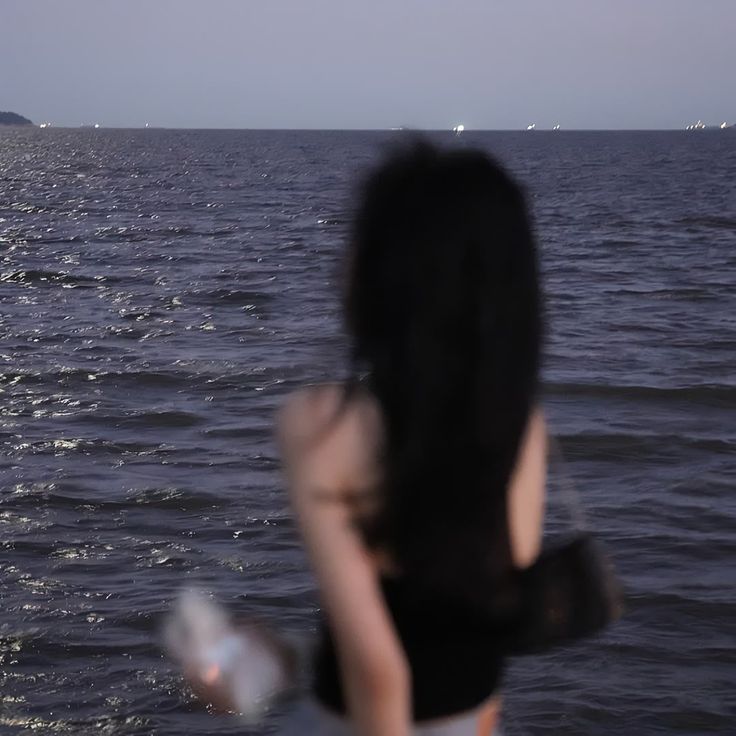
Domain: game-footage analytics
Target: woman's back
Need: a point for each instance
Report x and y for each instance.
(419, 489)
(452, 650)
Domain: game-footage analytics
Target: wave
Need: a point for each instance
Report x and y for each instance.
(652, 447)
(141, 379)
(712, 221)
(240, 432)
(117, 379)
(141, 419)
(99, 447)
(157, 418)
(69, 495)
(33, 277)
(687, 293)
(47, 240)
(43, 645)
(719, 395)
(710, 608)
(230, 296)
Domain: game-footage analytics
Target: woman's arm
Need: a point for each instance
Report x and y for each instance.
(319, 465)
(527, 492)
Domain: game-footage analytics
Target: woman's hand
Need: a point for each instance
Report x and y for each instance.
(208, 686)
(235, 668)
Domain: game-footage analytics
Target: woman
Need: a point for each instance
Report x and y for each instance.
(419, 488)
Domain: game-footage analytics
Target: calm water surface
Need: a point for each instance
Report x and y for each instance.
(161, 291)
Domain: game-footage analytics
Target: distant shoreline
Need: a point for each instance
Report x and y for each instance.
(13, 119)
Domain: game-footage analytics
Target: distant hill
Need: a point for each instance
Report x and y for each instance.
(12, 118)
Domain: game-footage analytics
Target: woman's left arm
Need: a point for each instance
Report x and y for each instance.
(373, 666)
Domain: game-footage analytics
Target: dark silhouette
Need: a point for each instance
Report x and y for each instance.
(12, 118)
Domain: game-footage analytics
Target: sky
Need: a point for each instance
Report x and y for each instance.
(426, 64)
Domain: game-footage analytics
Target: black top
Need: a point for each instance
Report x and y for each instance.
(454, 651)
(456, 643)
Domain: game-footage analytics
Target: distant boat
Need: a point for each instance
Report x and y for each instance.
(458, 129)
(531, 126)
(723, 126)
(556, 127)
(700, 125)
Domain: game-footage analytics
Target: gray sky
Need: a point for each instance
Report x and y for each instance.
(370, 64)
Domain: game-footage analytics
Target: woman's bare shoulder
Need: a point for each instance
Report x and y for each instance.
(327, 413)
(305, 409)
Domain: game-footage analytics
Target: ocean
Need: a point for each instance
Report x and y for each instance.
(161, 291)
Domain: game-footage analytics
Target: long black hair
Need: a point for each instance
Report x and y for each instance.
(443, 307)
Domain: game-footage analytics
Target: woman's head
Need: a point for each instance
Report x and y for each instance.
(443, 306)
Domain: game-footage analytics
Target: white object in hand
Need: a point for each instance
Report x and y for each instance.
(239, 662)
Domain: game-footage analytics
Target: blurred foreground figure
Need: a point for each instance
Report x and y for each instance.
(418, 484)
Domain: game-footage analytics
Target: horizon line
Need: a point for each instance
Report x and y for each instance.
(87, 126)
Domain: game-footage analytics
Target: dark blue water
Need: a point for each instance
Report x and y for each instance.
(161, 291)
